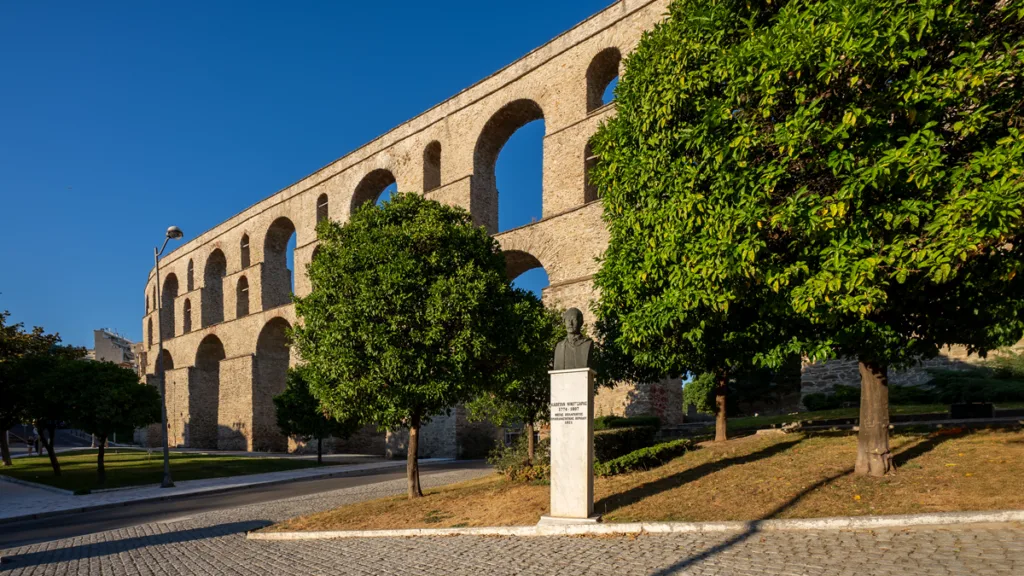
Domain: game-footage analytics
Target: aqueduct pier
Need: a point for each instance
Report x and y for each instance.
(225, 294)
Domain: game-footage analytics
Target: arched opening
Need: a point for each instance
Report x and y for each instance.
(242, 298)
(432, 166)
(204, 394)
(213, 288)
(278, 253)
(244, 251)
(273, 356)
(525, 271)
(321, 208)
(372, 188)
(590, 192)
(519, 174)
(187, 313)
(147, 301)
(149, 332)
(170, 292)
(602, 77)
(166, 360)
(190, 277)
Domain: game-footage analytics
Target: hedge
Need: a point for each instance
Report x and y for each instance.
(612, 422)
(643, 459)
(610, 444)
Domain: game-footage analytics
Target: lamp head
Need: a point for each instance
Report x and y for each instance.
(174, 233)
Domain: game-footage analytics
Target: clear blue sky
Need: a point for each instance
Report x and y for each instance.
(118, 119)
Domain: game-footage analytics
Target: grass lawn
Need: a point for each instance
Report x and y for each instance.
(137, 467)
(781, 476)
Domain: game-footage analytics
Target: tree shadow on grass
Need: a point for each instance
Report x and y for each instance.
(113, 547)
(753, 527)
(634, 495)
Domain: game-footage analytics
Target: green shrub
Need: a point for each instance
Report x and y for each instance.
(511, 461)
(610, 444)
(849, 397)
(975, 386)
(643, 459)
(612, 422)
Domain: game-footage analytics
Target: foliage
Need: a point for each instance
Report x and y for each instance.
(299, 413)
(839, 397)
(862, 158)
(699, 392)
(410, 314)
(612, 422)
(644, 458)
(109, 397)
(514, 462)
(527, 392)
(16, 343)
(610, 444)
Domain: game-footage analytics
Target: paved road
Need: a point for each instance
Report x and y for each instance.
(66, 526)
(213, 543)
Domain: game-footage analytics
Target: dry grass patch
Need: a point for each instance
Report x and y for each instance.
(791, 476)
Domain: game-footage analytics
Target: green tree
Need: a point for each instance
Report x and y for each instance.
(49, 384)
(409, 315)
(862, 159)
(108, 397)
(299, 414)
(16, 343)
(526, 396)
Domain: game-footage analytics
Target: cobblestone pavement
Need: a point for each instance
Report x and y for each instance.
(214, 544)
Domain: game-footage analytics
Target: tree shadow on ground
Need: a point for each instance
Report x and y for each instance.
(753, 527)
(51, 555)
(634, 495)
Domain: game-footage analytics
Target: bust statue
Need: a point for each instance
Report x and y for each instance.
(574, 351)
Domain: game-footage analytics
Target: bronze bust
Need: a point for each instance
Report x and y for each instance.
(574, 351)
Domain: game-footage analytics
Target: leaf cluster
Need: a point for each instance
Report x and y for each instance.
(299, 412)
(410, 313)
(847, 175)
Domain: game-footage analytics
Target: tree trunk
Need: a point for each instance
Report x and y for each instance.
(5, 449)
(319, 450)
(721, 433)
(412, 467)
(101, 472)
(529, 443)
(46, 434)
(873, 457)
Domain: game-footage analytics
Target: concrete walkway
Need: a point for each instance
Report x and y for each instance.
(19, 501)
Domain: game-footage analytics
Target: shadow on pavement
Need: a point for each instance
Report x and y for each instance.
(107, 548)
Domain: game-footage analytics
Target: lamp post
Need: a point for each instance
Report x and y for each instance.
(173, 233)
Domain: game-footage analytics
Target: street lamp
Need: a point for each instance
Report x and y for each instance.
(173, 233)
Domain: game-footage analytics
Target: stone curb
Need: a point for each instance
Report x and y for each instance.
(198, 492)
(36, 485)
(836, 523)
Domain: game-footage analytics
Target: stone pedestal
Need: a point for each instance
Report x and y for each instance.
(572, 447)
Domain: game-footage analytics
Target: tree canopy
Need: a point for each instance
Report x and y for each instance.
(299, 414)
(409, 315)
(860, 160)
(526, 395)
(108, 397)
(16, 343)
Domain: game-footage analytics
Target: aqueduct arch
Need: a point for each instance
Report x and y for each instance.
(448, 153)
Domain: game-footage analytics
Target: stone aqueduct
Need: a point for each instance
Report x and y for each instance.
(225, 294)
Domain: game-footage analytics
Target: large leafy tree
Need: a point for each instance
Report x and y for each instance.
(862, 159)
(16, 343)
(51, 393)
(409, 315)
(299, 414)
(108, 397)
(526, 395)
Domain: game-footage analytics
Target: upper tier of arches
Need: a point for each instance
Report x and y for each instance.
(447, 153)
